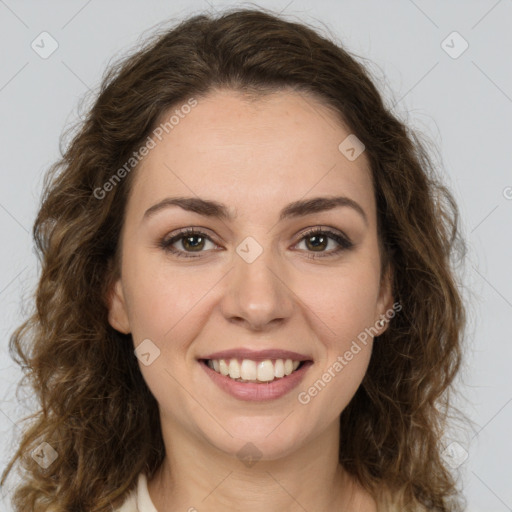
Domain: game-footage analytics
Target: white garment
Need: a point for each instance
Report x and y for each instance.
(139, 500)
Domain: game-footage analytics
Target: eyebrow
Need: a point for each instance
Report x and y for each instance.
(210, 208)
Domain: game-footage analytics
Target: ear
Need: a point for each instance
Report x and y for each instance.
(385, 300)
(117, 312)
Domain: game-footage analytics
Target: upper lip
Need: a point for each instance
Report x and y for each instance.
(257, 355)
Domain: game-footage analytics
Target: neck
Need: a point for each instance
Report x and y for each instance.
(197, 476)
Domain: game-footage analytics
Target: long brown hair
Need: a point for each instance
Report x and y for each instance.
(96, 411)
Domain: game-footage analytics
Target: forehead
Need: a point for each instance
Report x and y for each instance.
(245, 152)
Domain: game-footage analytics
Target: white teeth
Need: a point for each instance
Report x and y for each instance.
(234, 369)
(248, 369)
(265, 371)
(255, 371)
(279, 368)
(223, 367)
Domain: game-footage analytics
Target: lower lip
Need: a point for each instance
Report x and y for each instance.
(252, 391)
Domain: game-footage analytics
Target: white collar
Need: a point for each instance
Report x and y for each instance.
(144, 503)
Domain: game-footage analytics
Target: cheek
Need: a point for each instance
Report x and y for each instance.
(160, 298)
(333, 384)
(343, 300)
(341, 309)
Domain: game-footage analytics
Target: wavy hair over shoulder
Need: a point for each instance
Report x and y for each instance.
(95, 409)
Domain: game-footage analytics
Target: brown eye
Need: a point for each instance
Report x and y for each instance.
(318, 240)
(193, 242)
(186, 242)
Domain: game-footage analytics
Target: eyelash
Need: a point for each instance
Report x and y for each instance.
(343, 242)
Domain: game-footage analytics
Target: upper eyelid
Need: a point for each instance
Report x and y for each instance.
(189, 231)
(196, 230)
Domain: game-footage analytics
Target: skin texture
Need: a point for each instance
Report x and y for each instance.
(255, 156)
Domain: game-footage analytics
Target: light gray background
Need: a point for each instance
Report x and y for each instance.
(463, 105)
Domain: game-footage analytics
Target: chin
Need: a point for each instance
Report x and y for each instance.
(258, 438)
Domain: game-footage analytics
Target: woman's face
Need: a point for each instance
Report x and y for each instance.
(253, 178)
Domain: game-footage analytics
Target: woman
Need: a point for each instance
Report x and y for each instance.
(247, 299)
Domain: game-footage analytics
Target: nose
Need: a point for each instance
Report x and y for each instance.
(257, 294)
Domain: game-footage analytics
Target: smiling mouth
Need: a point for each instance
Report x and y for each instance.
(250, 371)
